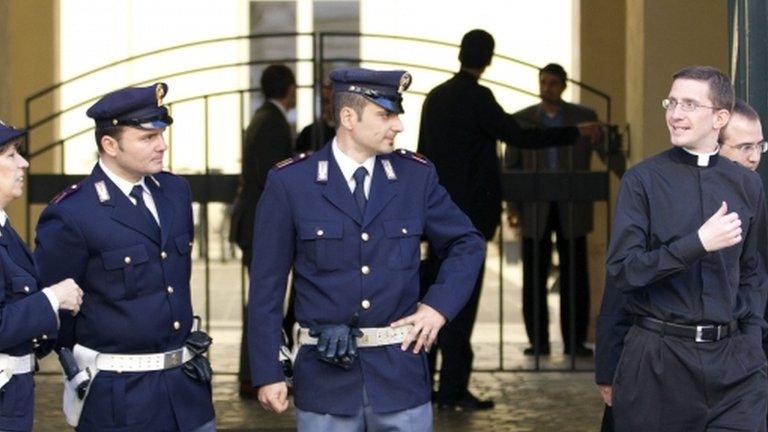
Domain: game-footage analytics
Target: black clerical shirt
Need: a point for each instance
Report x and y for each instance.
(656, 258)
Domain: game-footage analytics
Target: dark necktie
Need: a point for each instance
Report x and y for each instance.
(359, 192)
(138, 194)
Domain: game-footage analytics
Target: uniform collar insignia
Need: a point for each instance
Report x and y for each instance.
(101, 190)
(322, 171)
(388, 170)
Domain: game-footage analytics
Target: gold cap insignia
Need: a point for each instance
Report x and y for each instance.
(159, 94)
(405, 82)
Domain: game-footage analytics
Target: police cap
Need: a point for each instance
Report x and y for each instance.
(140, 107)
(9, 133)
(383, 88)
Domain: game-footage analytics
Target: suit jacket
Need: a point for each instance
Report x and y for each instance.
(460, 124)
(26, 318)
(267, 141)
(309, 221)
(137, 297)
(570, 158)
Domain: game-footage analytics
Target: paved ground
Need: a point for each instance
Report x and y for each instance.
(526, 401)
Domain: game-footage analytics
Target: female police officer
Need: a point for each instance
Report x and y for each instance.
(28, 315)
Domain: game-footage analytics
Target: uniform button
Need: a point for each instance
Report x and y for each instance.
(365, 270)
(74, 186)
(26, 288)
(127, 260)
(176, 325)
(169, 289)
(163, 255)
(404, 231)
(366, 304)
(44, 336)
(320, 233)
(34, 340)
(190, 244)
(365, 236)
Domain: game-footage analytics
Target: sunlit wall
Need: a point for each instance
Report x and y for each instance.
(97, 33)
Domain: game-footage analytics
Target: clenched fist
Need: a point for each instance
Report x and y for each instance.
(69, 295)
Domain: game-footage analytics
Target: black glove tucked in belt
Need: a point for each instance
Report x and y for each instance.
(337, 343)
(198, 368)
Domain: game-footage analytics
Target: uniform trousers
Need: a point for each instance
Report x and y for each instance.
(416, 419)
(667, 383)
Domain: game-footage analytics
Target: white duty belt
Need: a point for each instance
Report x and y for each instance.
(141, 362)
(372, 336)
(15, 365)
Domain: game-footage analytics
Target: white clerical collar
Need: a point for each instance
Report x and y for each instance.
(3, 217)
(280, 107)
(348, 165)
(124, 185)
(703, 158)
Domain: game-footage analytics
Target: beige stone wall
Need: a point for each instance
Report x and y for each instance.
(28, 51)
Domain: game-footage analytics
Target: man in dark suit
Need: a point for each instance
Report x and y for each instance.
(124, 234)
(570, 221)
(268, 140)
(460, 124)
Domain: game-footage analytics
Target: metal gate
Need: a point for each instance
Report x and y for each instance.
(219, 282)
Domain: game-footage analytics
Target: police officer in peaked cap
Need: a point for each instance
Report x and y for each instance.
(124, 234)
(348, 220)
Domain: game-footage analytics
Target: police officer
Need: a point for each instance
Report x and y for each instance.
(125, 235)
(348, 219)
(28, 323)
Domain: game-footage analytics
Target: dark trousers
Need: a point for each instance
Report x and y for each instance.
(666, 383)
(453, 341)
(576, 264)
(244, 374)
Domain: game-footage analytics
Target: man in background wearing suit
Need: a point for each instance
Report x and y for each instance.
(460, 125)
(570, 221)
(268, 140)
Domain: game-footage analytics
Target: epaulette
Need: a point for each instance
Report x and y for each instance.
(66, 192)
(292, 160)
(407, 154)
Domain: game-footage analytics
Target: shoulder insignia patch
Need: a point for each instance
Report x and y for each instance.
(412, 156)
(292, 160)
(66, 192)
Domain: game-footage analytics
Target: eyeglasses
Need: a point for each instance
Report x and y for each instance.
(747, 148)
(688, 106)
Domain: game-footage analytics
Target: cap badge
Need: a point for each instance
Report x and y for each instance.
(159, 94)
(405, 82)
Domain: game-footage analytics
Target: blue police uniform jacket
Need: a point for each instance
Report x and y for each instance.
(345, 263)
(137, 297)
(26, 317)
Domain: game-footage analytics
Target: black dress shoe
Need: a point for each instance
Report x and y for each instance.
(468, 402)
(544, 350)
(581, 351)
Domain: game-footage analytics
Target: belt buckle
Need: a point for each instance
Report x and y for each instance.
(171, 359)
(700, 333)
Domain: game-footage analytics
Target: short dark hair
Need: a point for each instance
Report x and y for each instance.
(476, 49)
(276, 80)
(720, 88)
(347, 99)
(116, 132)
(743, 109)
(556, 70)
